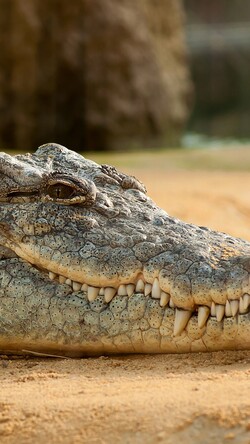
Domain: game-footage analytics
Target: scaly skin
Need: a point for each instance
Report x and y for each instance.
(90, 265)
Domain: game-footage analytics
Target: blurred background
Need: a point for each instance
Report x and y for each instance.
(137, 83)
(108, 75)
(218, 40)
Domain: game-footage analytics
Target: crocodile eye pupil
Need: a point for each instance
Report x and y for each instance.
(60, 191)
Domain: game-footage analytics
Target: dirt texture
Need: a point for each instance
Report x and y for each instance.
(190, 399)
(198, 398)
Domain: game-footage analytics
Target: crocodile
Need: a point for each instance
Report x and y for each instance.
(89, 265)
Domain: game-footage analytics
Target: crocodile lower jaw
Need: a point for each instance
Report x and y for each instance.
(232, 308)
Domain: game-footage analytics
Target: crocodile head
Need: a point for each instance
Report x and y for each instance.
(89, 264)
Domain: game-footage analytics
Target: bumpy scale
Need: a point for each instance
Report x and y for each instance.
(90, 265)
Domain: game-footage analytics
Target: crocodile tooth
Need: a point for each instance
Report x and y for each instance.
(156, 291)
(109, 293)
(171, 303)
(180, 321)
(228, 310)
(130, 289)
(92, 293)
(140, 286)
(122, 291)
(101, 291)
(76, 286)
(203, 315)
(84, 287)
(241, 306)
(164, 298)
(68, 282)
(220, 311)
(213, 310)
(62, 279)
(234, 307)
(246, 301)
(147, 289)
(52, 276)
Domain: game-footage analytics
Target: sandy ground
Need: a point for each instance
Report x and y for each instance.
(198, 398)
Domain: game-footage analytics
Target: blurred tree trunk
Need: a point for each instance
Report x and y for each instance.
(92, 74)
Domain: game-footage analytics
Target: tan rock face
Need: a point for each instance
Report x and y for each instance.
(92, 73)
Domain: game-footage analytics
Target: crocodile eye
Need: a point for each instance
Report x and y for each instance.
(60, 191)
